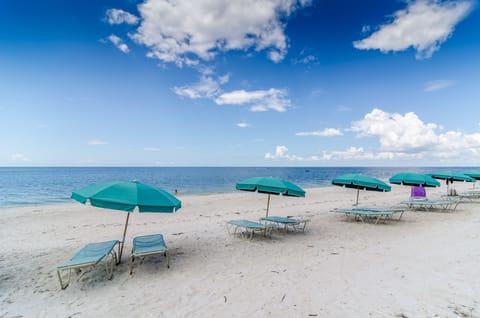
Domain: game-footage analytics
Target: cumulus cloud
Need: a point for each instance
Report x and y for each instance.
(176, 31)
(403, 135)
(281, 153)
(243, 125)
(18, 157)
(259, 100)
(423, 25)
(118, 42)
(97, 142)
(327, 132)
(118, 16)
(437, 85)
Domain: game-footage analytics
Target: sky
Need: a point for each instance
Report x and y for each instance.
(239, 83)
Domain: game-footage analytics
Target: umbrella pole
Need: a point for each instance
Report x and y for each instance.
(358, 192)
(268, 204)
(123, 239)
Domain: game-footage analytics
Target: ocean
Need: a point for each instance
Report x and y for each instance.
(23, 186)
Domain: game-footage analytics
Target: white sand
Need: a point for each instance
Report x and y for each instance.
(425, 265)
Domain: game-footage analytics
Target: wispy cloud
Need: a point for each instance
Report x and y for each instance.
(243, 125)
(437, 85)
(174, 31)
(423, 25)
(281, 153)
(258, 101)
(118, 16)
(207, 87)
(343, 109)
(327, 132)
(118, 42)
(97, 142)
(18, 157)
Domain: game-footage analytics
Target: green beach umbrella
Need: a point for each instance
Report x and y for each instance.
(450, 176)
(270, 186)
(473, 174)
(361, 182)
(127, 196)
(414, 179)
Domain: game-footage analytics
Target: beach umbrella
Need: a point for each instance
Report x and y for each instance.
(414, 179)
(450, 176)
(127, 196)
(361, 182)
(473, 174)
(270, 186)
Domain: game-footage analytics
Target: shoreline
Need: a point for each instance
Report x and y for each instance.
(422, 265)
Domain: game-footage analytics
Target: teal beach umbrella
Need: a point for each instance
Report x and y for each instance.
(473, 174)
(361, 182)
(450, 177)
(127, 196)
(414, 179)
(270, 186)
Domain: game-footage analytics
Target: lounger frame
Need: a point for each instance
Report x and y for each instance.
(158, 247)
(102, 253)
(297, 225)
(250, 227)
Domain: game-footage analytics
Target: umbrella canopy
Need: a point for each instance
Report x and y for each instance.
(361, 182)
(414, 179)
(450, 176)
(270, 186)
(473, 174)
(126, 196)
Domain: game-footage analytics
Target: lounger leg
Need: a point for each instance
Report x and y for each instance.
(131, 264)
(167, 256)
(62, 285)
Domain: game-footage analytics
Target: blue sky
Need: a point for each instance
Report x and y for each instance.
(239, 83)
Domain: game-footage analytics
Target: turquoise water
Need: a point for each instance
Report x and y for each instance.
(48, 185)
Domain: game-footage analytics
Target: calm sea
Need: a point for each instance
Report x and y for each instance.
(49, 185)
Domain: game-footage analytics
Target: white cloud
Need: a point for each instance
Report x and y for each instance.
(259, 101)
(327, 132)
(118, 42)
(243, 125)
(117, 16)
(423, 25)
(407, 135)
(18, 157)
(281, 153)
(153, 149)
(175, 31)
(437, 85)
(97, 142)
(207, 87)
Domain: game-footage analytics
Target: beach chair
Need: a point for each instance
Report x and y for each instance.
(90, 256)
(429, 205)
(251, 227)
(418, 193)
(366, 214)
(286, 222)
(148, 245)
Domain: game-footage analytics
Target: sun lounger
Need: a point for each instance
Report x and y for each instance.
(89, 256)
(251, 227)
(365, 214)
(429, 205)
(295, 224)
(148, 245)
(470, 195)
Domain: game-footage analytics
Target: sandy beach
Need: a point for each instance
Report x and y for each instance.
(425, 265)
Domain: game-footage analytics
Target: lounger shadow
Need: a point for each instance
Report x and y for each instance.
(90, 256)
